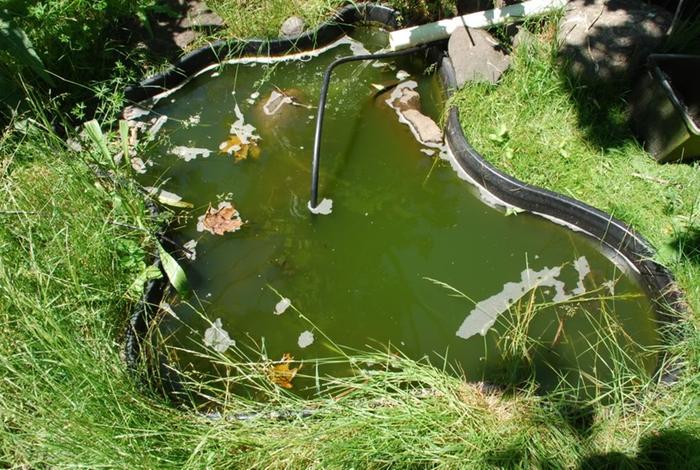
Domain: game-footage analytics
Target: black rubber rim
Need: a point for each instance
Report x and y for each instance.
(614, 234)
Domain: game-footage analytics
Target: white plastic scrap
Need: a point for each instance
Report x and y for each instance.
(282, 306)
(305, 339)
(189, 153)
(324, 207)
(217, 338)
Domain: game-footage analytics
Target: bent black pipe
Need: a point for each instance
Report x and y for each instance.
(315, 164)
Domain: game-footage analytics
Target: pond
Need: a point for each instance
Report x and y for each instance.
(410, 257)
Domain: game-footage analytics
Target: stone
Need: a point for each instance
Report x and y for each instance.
(184, 38)
(409, 99)
(476, 56)
(292, 27)
(428, 132)
(606, 40)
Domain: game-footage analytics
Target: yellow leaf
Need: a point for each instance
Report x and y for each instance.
(281, 374)
(232, 144)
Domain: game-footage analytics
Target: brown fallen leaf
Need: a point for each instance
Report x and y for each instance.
(218, 221)
(281, 374)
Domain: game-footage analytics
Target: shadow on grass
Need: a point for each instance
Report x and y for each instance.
(670, 449)
(601, 65)
(687, 243)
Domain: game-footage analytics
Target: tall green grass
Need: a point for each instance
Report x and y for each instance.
(72, 242)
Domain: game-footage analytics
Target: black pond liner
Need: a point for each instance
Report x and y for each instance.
(613, 234)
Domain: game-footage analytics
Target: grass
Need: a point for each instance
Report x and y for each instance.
(72, 242)
(264, 18)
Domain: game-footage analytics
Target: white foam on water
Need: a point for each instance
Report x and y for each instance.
(282, 306)
(305, 339)
(189, 153)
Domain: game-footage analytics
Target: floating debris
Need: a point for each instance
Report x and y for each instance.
(305, 339)
(132, 113)
(402, 75)
(282, 306)
(225, 218)
(275, 102)
(165, 307)
(138, 165)
(189, 153)
(583, 269)
(484, 314)
(156, 126)
(324, 207)
(192, 120)
(190, 250)
(168, 198)
(217, 338)
(610, 285)
(240, 151)
(243, 139)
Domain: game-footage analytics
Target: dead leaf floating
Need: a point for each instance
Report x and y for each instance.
(243, 140)
(240, 151)
(281, 374)
(224, 218)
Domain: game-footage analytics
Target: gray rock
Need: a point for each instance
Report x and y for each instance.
(204, 19)
(409, 99)
(184, 38)
(610, 39)
(428, 131)
(292, 26)
(476, 56)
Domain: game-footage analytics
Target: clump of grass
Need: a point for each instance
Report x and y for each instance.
(264, 18)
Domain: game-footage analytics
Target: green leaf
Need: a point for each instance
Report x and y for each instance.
(173, 270)
(94, 132)
(15, 42)
(124, 136)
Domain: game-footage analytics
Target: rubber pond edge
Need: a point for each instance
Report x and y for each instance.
(657, 280)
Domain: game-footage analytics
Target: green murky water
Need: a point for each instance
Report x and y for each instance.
(400, 218)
